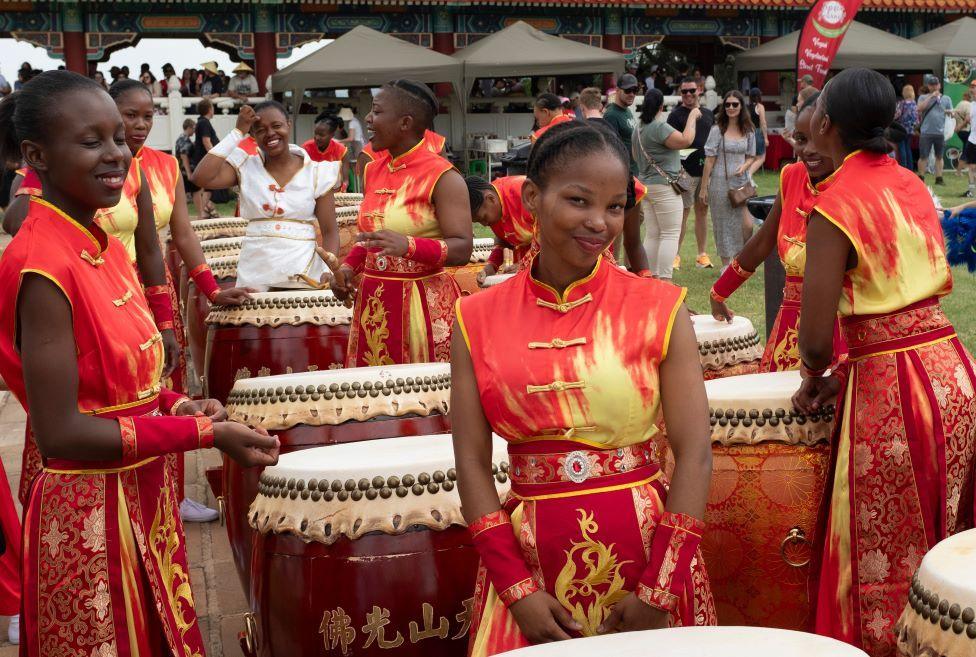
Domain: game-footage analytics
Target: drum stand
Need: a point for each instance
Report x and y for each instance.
(774, 280)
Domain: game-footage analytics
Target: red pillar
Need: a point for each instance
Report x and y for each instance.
(265, 58)
(74, 52)
(613, 42)
(443, 43)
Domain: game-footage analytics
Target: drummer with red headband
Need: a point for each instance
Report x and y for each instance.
(413, 220)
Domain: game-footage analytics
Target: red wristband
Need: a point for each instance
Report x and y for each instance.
(730, 280)
(494, 538)
(153, 435)
(426, 250)
(204, 279)
(160, 305)
(668, 571)
(356, 258)
(807, 373)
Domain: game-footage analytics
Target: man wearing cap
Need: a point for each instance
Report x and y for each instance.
(243, 84)
(932, 110)
(212, 85)
(619, 116)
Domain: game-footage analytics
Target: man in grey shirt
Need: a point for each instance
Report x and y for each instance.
(932, 110)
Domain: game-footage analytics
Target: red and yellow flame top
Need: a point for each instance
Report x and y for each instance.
(888, 215)
(120, 352)
(161, 171)
(797, 196)
(432, 141)
(334, 152)
(121, 221)
(582, 365)
(399, 193)
(556, 120)
(517, 225)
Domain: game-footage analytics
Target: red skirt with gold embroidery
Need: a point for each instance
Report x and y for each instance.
(404, 313)
(585, 519)
(783, 347)
(105, 570)
(901, 475)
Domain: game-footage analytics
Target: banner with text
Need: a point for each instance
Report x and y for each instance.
(821, 36)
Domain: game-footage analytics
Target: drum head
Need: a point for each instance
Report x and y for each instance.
(698, 642)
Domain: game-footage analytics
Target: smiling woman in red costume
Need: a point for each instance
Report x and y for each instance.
(902, 477)
(322, 147)
(785, 230)
(498, 205)
(413, 220)
(548, 112)
(591, 541)
(104, 546)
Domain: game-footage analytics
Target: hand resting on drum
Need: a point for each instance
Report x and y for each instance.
(233, 296)
(816, 391)
(249, 447)
(208, 407)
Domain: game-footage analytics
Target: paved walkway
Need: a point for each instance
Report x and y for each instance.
(217, 592)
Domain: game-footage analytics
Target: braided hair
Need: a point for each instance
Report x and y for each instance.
(27, 114)
(416, 99)
(122, 87)
(572, 142)
(331, 120)
(477, 187)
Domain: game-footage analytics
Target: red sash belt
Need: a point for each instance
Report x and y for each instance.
(793, 291)
(910, 327)
(561, 467)
(381, 266)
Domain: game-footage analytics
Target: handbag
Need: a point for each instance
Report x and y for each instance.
(681, 183)
(738, 196)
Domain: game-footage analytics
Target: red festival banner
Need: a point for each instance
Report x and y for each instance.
(821, 36)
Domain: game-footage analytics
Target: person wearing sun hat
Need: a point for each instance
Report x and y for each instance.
(243, 84)
(212, 85)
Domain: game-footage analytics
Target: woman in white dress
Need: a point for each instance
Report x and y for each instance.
(283, 193)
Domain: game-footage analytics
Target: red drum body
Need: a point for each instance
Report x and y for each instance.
(300, 425)
(275, 333)
(768, 479)
(198, 307)
(727, 349)
(347, 219)
(379, 569)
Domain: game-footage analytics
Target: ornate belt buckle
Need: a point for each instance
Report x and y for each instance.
(381, 263)
(577, 467)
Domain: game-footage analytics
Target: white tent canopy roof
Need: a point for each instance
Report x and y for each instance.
(862, 46)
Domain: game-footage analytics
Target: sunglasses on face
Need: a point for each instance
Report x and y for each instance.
(689, 91)
(731, 105)
(630, 90)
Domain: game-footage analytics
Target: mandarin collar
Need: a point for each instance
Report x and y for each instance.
(408, 157)
(575, 290)
(93, 236)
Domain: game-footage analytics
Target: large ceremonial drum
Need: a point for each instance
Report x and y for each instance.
(211, 229)
(697, 642)
(274, 333)
(727, 349)
(343, 199)
(496, 279)
(362, 550)
(198, 307)
(347, 218)
(221, 247)
(940, 617)
(467, 275)
(769, 467)
(325, 408)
